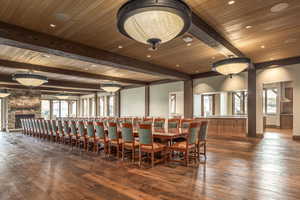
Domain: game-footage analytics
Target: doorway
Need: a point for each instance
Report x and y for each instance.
(278, 109)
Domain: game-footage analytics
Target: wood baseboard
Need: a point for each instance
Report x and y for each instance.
(272, 126)
(296, 137)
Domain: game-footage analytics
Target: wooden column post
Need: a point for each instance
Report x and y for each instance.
(147, 100)
(252, 101)
(188, 99)
(118, 104)
(96, 105)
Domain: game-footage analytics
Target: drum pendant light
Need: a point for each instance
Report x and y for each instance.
(154, 21)
(231, 66)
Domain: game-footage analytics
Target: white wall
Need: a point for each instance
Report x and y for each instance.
(179, 103)
(220, 84)
(282, 74)
(133, 102)
(274, 75)
(159, 98)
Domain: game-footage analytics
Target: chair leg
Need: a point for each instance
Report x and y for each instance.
(205, 150)
(152, 159)
(140, 157)
(133, 154)
(122, 152)
(109, 149)
(118, 151)
(186, 158)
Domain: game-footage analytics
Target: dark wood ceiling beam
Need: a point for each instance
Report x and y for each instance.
(207, 34)
(205, 74)
(5, 78)
(18, 65)
(27, 39)
(280, 62)
(53, 90)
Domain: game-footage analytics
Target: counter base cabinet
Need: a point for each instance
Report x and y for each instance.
(227, 127)
(286, 121)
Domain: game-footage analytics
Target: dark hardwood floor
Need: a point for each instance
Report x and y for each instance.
(256, 169)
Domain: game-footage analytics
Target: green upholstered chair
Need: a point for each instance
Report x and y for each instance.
(189, 146)
(54, 129)
(49, 128)
(90, 133)
(113, 138)
(147, 145)
(100, 138)
(173, 123)
(82, 134)
(67, 131)
(159, 123)
(45, 129)
(185, 123)
(73, 133)
(148, 121)
(60, 130)
(128, 140)
(41, 131)
(202, 139)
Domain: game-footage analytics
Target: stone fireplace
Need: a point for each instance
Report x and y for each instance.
(22, 104)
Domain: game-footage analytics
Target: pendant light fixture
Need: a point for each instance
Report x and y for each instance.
(4, 93)
(111, 87)
(30, 79)
(62, 96)
(154, 21)
(231, 66)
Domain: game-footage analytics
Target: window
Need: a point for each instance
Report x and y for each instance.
(64, 108)
(208, 105)
(45, 109)
(93, 107)
(111, 106)
(73, 109)
(86, 111)
(173, 103)
(270, 101)
(102, 107)
(56, 109)
(239, 103)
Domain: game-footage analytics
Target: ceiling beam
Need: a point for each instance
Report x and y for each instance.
(6, 78)
(18, 65)
(207, 34)
(205, 74)
(53, 90)
(16, 36)
(280, 62)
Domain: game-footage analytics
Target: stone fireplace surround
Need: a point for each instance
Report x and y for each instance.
(22, 102)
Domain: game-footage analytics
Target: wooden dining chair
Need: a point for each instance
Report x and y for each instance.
(128, 140)
(188, 147)
(41, 131)
(147, 145)
(60, 129)
(46, 131)
(185, 123)
(54, 130)
(148, 121)
(35, 128)
(173, 123)
(113, 138)
(82, 135)
(202, 139)
(67, 131)
(49, 130)
(73, 134)
(100, 138)
(90, 134)
(159, 123)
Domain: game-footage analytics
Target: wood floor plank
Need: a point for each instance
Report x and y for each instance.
(251, 169)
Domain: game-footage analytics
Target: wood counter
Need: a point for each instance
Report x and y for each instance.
(226, 126)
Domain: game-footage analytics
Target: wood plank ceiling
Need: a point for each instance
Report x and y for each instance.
(248, 25)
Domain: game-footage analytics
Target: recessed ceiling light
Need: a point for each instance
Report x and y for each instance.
(86, 68)
(52, 25)
(262, 46)
(46, 56)
(187, 39)
(149, 56)
(248, 27)
(94, 65)
(271, 58)
(213, 58)
(279, 7)
(231, 2)
(197, 71)
(177, 65)
(120, 47)
(189, 44)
